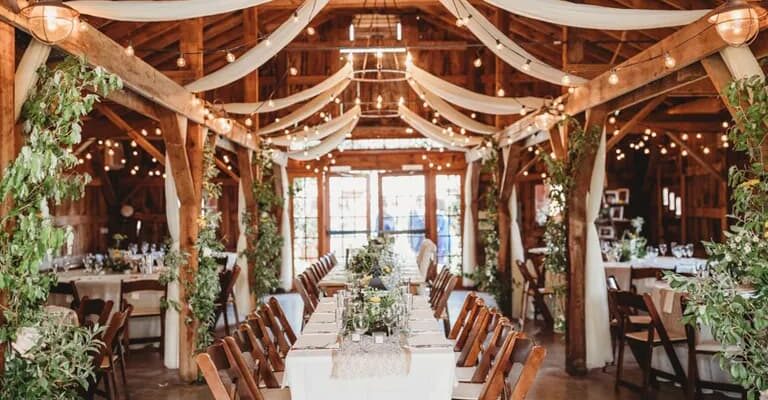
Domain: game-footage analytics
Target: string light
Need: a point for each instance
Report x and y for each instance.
(230, 57)
(566, 80)
(663, 150)
(498, 44)
(725, 124)
(310, 31)
(684, 153)
(669, 61)
(526, 66)
(706, 150)
(293, 71)
(500, 92)
(248, 122)
(611, 120)
(181, 62)
(613, 78)
(684, 137)
(478, 62)
(698, 136)
(129, 51)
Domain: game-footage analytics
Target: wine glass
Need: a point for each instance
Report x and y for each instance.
(689, 250)
(360, 325)
(144, 247)
(663, 249)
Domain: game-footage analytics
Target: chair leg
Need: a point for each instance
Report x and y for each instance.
(226, 319)
(620, 362)
(125, 378)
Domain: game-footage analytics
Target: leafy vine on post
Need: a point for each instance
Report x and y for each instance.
(263, 251)
(50, 359)
(731, 296)
(559, 181)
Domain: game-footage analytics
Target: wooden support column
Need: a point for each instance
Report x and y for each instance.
(8, 137)
(575, 339)
(507, 175)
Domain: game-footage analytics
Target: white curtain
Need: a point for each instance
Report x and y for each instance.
(326, 146)
(441, 136)
(468, 99)
(255, 57)
(242, 289)
(517, 253)
(468, 253)
(510, 51)
(306, 110)
(427, 253)
(172, 204)
(26, 73)
(157, 11)
(278, 104)
(595, 293)
(286, 251)
(741, 62)
(597, 17)
(448, 112)
(318, 132)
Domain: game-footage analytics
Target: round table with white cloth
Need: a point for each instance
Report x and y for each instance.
(621, 270)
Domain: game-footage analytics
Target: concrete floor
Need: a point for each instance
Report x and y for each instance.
(148, 380)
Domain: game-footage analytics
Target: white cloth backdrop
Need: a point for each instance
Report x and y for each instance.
(171, 348)
(468, 253)
(326, 146)
(26, 74)
(242, 289)
(306, 110)
(286, 251)
(436, 133)
(278, 104)
(518, 253)
(448, 112)
(589, 16)
(318, 132)
(256, 56)
(510, 52)
(596, 318)
(157, 11)
(468, 99)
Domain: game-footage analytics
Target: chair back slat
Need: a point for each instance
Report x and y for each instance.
(249, 342)
(442, 302)
(467, 327)
(278, 334)
(469, 301)
(530, 357)
(245, 373)
(274, 304)
(262, 333)
(97, 308)
(213, 378)
(469, 354)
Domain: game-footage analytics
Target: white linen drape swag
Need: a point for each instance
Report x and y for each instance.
(512, 53)
(326, 146)
(435, 133)
(450, 113)
(518, 254)
(255, 57)
(171, 345)
(318, 132)
(242, 289)
(272, 105)
(597, 320)
(26, 74)
(306, 110)
(468, 253)
(158, 11)
(286, 250)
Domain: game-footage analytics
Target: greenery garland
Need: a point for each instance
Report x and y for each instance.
(265, 240)
(42, 175)
(740, 264)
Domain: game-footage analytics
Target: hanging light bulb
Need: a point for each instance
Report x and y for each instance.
(248, 122)
(129, 51)
(498, 44)
(526, 66)
(357, 101)
(311, 31)
(705, 150)
(725, 125)
(571, 90)
(293, 71)
(523, 111)
(613, 78)
(500, 92)
(737, 22)
(566, 80)
(611, 120)
(181, 62)
(230, 57)
(50, 21)
(663, 150)
(669, 61)
(473, 115)
(295, 16)
(478, 62)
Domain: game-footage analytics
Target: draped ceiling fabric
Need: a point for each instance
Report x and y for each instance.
(518, 254)
(589, 16)
(431, 131)
(306, 110)
(318, 132)
(510, 52)
(286, 250)
(326, 146)
(469, 251)
(158, 11)
(26, 74)
(596, 316)
(468, 99)
(255, 57)
(450, 113)
(283, 102)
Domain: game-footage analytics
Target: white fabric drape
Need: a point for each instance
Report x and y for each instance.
(255, 57)
(242, 289)
(326, 146)
(26, 74)
(425, 256)
(468, 253)
(450, 113)
(510, 51)
(468, 99)
(436, 133)
(318, 132)
(306, 110)
(597, 17)
(157, 11)
(283, 102)
(596, 316)
(741, 62)
(171, 345)
(286, 251)
(517, 254)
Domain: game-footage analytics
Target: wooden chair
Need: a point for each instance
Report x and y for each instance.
(213, 379)
(236, 357)
(334, 260)
(530, 357)
(223, 375)
(489, 351)
(431, 272)
(139, 286)
(493, 387)
(93, 311)
(643, 341)
(695, 383)
(227, 280)
(110, 355)
(274, 304)
(469, 302)
(612, 283)
(475, 338)
(309, 304)
(643, 273)
(441, 306)
(311, 286)
(261, 332)
(275, 328)
(437, 287)
(67, 289)
(538, 293)
(248, 342)
(471, 319)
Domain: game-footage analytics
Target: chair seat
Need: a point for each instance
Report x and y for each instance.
(643, 337)
(145, 312)
(640, 319)
(464, 374)
(105, 361)
(467, 391)
(276, 394)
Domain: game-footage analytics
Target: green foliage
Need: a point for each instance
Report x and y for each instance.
(39, 176)
(59, 365)
(173, 260)
(739, 265)
(376, 258)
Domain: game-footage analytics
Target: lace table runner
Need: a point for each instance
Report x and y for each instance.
(370, 360)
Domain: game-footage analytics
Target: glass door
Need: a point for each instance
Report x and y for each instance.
(349, 216)
(403, 210)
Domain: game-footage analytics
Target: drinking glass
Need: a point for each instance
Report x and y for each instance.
(340, 318)
(144, 247)
(689, 250)
(663, 249)
(360, 324)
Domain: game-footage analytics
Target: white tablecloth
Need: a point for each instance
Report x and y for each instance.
(621, 270)
(430, 376)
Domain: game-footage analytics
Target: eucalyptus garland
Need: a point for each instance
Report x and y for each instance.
(731, 298)
(41, 176)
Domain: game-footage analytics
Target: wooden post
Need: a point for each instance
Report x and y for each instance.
(507, 176)
(575, 339)
(8, 136)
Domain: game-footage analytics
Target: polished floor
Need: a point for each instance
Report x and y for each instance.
(148, 380)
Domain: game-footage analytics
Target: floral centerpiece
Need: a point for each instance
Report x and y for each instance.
(375, 264)
(378, 309)
(632, 245)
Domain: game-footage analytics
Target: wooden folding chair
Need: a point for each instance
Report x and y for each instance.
(236, 356)
(476, 337)
(227, 280)
(144, 285)
(489, 351)
(469, 302)
(471, 319)
(274, 304)
(643, 273)
(538, 293)
(93, 311)
(441, 305)
(248, 342)
(261, 333)
(530, 357)
(66, 289)
(278, 335)
(493, 387)
(309, 304)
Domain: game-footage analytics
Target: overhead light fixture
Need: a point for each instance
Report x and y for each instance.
(372, 50)
(399, 31)
(738, 22)
(351, 32)
(221, 121)
(50, 21)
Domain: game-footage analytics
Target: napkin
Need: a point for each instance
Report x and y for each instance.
(322, 318)
(317, 341)
(428, 340)
(326, 308)
(427, 325)
(320, 328)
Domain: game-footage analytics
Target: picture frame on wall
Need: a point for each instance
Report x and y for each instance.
(610, 197)
(617, 213)
(622, 196)
(606, 232)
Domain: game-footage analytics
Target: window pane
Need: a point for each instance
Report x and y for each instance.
(348, 218)
(305, 234)
(403, 207)
(448, 193)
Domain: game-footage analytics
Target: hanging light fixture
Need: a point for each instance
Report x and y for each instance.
(50, 21)
(738, 22)
(613, 78)
(230, 57)
(669, 61)
(181, 62)
(221, 121)
(478, 62)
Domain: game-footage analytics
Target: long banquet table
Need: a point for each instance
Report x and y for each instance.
(317, 369)
(337, 279)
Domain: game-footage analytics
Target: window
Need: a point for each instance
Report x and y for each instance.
(448, 217)
(349, 216)
(305, 223)
(403, 212)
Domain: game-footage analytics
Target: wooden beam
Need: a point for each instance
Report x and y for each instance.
(175, 145)
(225, 168)
(636, 118)
(705, 106)
(720, 76)
(693, 154)
(132, 133)
(669, 85)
